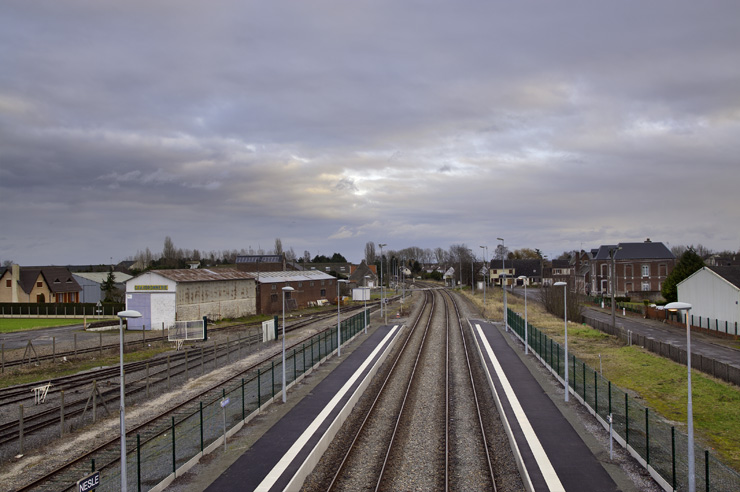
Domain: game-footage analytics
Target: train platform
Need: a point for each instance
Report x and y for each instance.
(553, 445)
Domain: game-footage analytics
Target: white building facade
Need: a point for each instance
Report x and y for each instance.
(714, 293)
(165, 296)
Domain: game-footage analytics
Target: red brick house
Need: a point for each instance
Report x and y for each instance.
(641, 269)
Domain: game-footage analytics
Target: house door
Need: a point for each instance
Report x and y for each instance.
(41, 298)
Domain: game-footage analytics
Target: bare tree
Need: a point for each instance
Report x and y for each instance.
(278, 246)
(370, 255)
(306, 256)
(552, 299)
(290, 254)
(169, 252)
(439, 255)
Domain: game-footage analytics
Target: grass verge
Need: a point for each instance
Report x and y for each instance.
(10, 325)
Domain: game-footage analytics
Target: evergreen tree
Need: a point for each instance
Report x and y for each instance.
(687, 264)
(109, 287)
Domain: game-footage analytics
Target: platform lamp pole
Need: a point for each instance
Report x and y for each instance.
(485, 280)
(286, 289)
(382, 308)
(366, 296)
(684, 306)
(122, 412)
(339, 306)
(564, 285)
(523, 278)
(503, 280)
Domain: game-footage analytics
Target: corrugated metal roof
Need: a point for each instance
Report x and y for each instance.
(204, 275)
(293, 276)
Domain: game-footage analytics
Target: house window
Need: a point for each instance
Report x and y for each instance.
(663, 269)
(645, 286)
(41, 284)
(322, 282)
(274, 286)
(628, 272)
(273, 298)
(604, 266)
(646, 271)
(323, 292)
(628, 287)
(8, 283)
(311, 284)
(300, 284)
(287, 294)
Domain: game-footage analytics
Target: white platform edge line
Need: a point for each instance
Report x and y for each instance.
(290, 455)
(548, 472)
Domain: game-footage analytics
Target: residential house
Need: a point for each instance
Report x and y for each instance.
(38, 285)
(640, 269)
(358, 274)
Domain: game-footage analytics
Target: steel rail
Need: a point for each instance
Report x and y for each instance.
(372, 408)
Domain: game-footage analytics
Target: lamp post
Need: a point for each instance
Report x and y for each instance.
(503, 280)
(339, 331)
(122, 410)
(382, 308)
(366, 296)
(684, 306)
(523, 278)
(564, 285)
(287, 289)
(613, 253)
(485, 281)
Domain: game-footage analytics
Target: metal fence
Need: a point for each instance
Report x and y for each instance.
(656, 444)
(68, 309)
(167, 449)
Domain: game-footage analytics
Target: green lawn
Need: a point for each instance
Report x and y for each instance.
(10, 325)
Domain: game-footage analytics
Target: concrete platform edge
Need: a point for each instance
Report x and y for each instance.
(509, 433)
(313, 458)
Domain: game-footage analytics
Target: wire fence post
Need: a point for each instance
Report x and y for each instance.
(626, 418)
(201, 426)
(138, 462)
(647, 437)
(673, 455)
(243, 410)
(259, 391)
(174, 459)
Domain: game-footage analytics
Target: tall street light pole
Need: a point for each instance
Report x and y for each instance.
(523, 278)
(339, 331)
(122, 409)
(684, 306)
(382, 307)
(287, 289)
(485, 280)
(367, 294)
(564, 285)
(613, 253)
(503, 281)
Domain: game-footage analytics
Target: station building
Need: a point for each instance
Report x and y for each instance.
(165, 296)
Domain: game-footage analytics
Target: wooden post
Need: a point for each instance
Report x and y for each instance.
(101, 343)
(75, 344)
(20, 428)
(186, 365)
(147, 380)
(227, 350)
(168, 372)
(61, 414)
(201, 360)
(54, 349)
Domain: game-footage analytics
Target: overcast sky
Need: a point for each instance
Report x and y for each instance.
(328, 124)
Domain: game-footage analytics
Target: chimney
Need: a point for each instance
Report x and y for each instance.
(647, 240)
(16, 279)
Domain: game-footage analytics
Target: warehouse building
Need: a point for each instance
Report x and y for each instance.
(165, 296)
(311, 288)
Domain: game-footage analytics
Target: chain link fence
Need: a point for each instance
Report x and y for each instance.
(656, 444)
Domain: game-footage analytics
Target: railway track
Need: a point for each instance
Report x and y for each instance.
(421, 425)
(75, 401)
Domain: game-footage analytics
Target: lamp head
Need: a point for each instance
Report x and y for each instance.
(288, 288)
(677, 306)
(129, 313)
(559, 284)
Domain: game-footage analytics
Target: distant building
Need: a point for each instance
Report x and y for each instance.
(164, 296)
(311, 288)
(90, 282)
(641, 269)
(261, 263)
(38, 284)
(359, 273)
(713, 292)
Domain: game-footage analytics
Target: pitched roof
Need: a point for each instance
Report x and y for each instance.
(527, 267)
(643, 251)
(58, 279)
(204, 275)
(293, 276)
(100, 277)
(731, 274)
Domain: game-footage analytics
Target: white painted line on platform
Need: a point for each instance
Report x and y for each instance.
(548, 472)
(289, 456)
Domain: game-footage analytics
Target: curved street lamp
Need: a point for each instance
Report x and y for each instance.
(485, 281)
(287, 289)
(675, 307)
(382, 308)
(122, 410)
(367, 294)
(564, 285)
